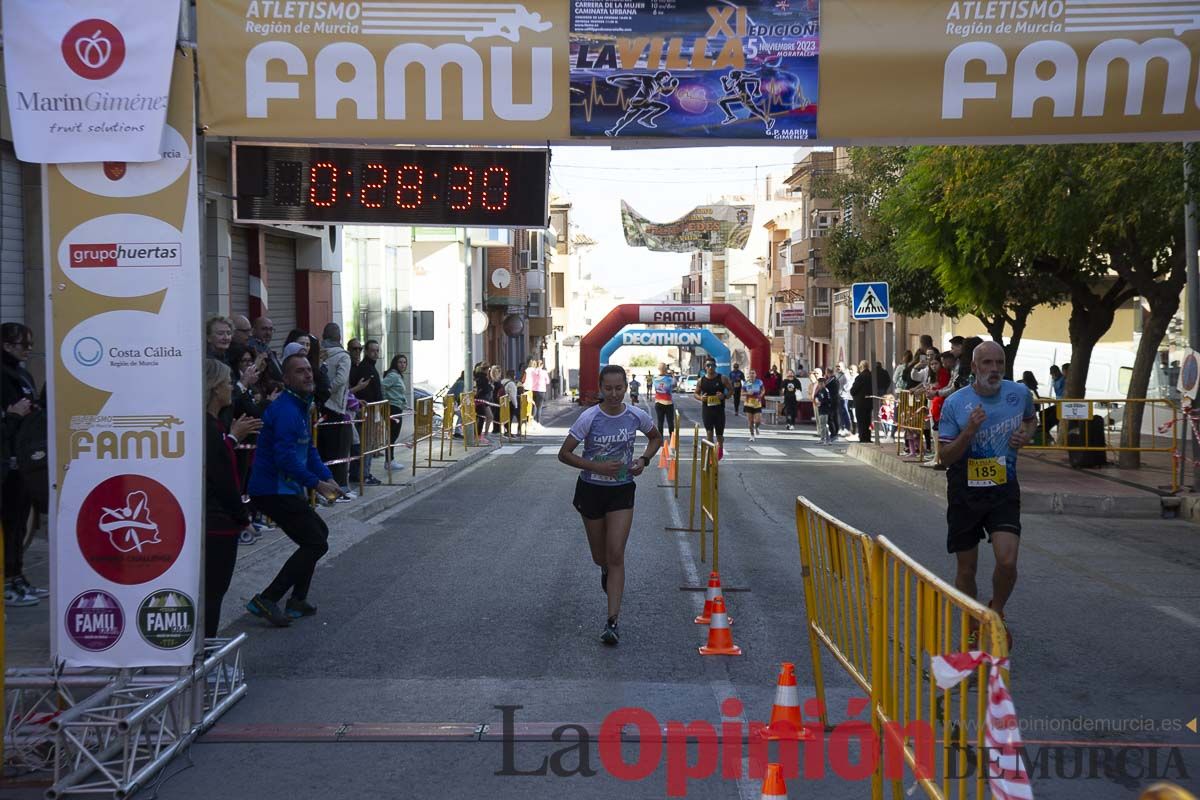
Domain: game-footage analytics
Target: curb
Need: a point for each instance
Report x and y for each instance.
(1149, 506)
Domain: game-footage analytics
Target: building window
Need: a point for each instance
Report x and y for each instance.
(822, 304)
(557, 290)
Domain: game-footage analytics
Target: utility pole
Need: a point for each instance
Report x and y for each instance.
(468, 431)
(1193, 285)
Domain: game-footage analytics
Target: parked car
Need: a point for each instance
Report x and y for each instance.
(689, 383)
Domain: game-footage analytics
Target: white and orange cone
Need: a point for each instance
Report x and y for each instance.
(720, 640)
(786, 722)
(710, 594)
(664, 453)
(773, 786)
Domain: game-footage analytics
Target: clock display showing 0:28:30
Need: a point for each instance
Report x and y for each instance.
(326, 184)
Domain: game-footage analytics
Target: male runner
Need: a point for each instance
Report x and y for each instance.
(645, 105)
(711, 391)
(664, 400)
(736, 378)
(635, 388)
(982, 427)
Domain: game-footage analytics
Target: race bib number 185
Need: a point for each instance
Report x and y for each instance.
(986, 472)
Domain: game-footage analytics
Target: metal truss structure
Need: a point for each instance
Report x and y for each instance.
(108, 732)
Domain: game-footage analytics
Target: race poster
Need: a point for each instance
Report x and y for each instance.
(712, 229)
(694, 69)
(123, 317)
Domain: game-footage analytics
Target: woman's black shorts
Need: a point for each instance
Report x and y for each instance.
(594, 501)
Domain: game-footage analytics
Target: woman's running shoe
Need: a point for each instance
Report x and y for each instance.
(299, 608)
(610, 635)
(260, 606)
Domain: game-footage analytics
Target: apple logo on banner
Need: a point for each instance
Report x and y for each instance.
(94, 49)
(132, 179)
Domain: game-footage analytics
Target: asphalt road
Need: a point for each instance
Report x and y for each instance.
(482, 594)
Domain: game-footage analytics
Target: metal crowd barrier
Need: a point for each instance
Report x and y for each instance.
(423, 433)
(447, 427)
(710, 499)
(466, 407)
(691, 526)
(882, 615)
(525, 414)
(374, 437)
(912, 416)
(1066, 416)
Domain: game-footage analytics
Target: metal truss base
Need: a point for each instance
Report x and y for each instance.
(107, 732)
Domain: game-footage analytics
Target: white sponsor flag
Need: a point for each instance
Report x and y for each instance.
(88, 80)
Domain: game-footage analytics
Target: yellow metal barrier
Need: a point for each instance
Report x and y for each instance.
(422, 432)
(466, 408)
(912, 416)
(525, 414)
(691, 526)
(881, 615)
(918, 615)
(834, 565)
(374, 436)
(1160, 427)
(447, 427)
(710, 499)
(504, 418)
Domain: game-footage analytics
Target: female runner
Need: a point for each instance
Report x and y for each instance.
(604, 492)
(753, 389)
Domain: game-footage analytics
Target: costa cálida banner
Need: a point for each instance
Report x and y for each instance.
(87, 80)
(126, 424)
(1009, 70)
(402, 71)
(691, 69)
(712, 229)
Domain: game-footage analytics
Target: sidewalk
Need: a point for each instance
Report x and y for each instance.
(1049, 485)
(27, 631)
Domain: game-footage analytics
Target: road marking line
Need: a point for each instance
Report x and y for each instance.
(509, 449)
(1182, 616)
(820, 453)
(547, 450)
(766, 451)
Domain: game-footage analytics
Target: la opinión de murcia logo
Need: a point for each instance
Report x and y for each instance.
(94, 49)
(130, 528)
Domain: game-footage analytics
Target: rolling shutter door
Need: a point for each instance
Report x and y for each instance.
(239, 270)
(12, 239)
(281, 284)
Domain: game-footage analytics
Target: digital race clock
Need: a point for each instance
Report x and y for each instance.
(391, 186)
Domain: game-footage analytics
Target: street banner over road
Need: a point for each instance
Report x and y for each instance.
(88, 81)
(712, 229)
(682, 315)
(126, 413)
(1000, 71)
(482, 73)
(695, 69)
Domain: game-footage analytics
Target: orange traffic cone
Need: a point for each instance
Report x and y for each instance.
(710, 594)
(720, 640)
(773, 786)
(664, 453)
(673, 466)
(786, 722)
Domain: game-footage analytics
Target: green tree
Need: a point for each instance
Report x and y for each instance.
(863, 247)
(643, 360)
(945, 223)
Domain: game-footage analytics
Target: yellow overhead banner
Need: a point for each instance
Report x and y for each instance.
(890, 70)
(1004, 70)
(399, 71)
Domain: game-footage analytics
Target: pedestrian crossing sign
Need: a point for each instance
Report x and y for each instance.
(870, 301)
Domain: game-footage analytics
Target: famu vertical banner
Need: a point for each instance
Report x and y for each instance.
(126, 433)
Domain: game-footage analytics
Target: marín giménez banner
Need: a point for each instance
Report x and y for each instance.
(88, 81)
(711, 228)
(695, 69)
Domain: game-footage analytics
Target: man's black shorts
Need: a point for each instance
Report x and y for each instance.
(594, 501)
(971, 518)
(714, 419)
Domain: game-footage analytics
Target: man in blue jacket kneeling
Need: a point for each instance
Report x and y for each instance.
(286, 466)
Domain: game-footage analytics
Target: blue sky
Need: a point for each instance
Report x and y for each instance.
(662, 184)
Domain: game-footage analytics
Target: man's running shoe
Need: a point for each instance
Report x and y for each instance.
(15, 597)
(610, 635)
(260, 606)
(299, 608)
(604, 579)
(37, 591)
